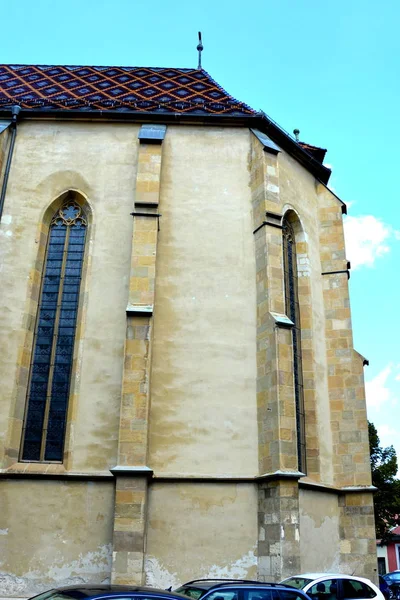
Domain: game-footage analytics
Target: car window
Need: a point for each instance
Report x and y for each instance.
(324, 590)
(258, 595)
(287, 595)
(56, 595)
(392, 576)
(223, 595)
(116, 598)
(297, 582)
(191, 592)
(356, 589)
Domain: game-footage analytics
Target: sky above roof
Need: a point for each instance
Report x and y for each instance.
(329, 69)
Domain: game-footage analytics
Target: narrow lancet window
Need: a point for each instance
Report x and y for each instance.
(293, 312)
(53, 345)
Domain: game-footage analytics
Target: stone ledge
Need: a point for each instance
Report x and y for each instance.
(268, 144)
(152, 134)
(139, 309)
(132, 471)
(280, 475)
(89, 476)
(204, 477)
(322, 487)
(282, 320)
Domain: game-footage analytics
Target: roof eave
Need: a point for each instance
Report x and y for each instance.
(280, 137)
(258, 120)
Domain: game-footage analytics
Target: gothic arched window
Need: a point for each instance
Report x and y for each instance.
(53, 344)
(293, 312)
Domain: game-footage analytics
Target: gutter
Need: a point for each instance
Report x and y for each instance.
(257, 121)
(14, 111)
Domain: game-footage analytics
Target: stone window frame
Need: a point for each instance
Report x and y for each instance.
(17, 414)
(292, 309)
(304, 275)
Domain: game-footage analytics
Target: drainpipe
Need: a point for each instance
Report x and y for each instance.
(15, 112)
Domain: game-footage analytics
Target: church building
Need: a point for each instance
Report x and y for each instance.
(180, 396)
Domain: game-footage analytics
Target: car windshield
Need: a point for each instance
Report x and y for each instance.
(296, 582)
(188, 590)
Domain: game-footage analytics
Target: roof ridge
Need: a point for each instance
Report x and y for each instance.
(50, 66)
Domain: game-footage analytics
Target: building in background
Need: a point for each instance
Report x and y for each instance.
(389, 553)
(180, 396)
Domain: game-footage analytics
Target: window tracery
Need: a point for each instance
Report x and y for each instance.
(53, 345)
(293, 312)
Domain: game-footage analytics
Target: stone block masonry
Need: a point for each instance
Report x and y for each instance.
(131, 472)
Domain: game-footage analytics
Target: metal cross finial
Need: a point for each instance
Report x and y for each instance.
(200, 49)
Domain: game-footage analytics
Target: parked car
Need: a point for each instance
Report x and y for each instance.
(393, 581)
(330, 586)
(385, 588)
(102, 592)
(393, 576)
(238, 589)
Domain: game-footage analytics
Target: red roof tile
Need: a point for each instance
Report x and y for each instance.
(184, 91)
(314, 151)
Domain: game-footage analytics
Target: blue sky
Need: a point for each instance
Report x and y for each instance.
(328, 67)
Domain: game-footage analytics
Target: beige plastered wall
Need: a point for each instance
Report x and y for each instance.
(203, 404)
(201, 530)
(54, 533)
(203, 417)
(319, 532)
(99, 161)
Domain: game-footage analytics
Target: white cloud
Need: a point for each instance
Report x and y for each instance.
(378, 391)
(383, 405)
(367, 238)
(386, 430)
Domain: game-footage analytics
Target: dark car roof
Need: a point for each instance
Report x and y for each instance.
(88, 591)
(207, 584)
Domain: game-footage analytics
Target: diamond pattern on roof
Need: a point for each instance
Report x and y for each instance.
(186, 91)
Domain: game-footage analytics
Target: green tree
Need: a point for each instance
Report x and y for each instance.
(387, 498)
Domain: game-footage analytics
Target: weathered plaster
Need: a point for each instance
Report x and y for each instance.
(319, 532)
(204, 363)
(57, 534)
(201, 530)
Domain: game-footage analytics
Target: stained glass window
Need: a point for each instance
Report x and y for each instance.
(293, 312)
(53, 345)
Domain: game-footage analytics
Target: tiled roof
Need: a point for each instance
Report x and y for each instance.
(184, 91)
(314, 151)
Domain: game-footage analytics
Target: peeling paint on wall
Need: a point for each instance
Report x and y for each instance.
(157, 575)
(319, 521)
(238, 569)
(93, 566)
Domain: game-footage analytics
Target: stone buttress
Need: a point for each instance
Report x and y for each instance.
(132, 473)
(278, 496)
(350, 445)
